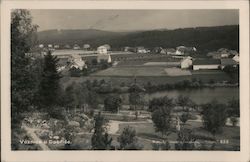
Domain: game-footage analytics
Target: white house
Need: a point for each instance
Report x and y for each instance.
(56, 46)
(206, 64)
(86, 46)
(186, 62)
(225, 55)
(102, 50)
(76, 47)
(41, 45)
(141, 50)
(77, 62)
(236, 58)
(50, 46)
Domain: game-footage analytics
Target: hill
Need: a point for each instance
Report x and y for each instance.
(203, 38)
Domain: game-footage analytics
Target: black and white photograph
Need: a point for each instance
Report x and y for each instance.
(120, 80)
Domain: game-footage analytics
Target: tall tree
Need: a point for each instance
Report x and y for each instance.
(100, 139)
(49, 87)
(135, 96)
(162, 115)
(22, 39)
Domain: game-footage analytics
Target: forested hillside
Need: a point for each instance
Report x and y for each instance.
(203, 38)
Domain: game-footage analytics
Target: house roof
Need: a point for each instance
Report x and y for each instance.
(206, 62)
(228, 61)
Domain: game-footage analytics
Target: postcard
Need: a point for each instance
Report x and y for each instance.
(125, 81)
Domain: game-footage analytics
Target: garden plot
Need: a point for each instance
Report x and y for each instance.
(177, 72)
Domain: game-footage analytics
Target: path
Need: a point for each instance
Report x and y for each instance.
(31, 133)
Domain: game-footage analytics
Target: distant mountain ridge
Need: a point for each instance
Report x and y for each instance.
(203, 38)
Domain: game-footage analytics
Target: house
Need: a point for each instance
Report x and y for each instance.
(180, 50)
(222, 53)
(41, 46)
(102, 50)
(104, 57)
(129, 49)
(76, 61)
(157, 49)
(141, 50)
(56, 46)
(163, 51)
(86, 47)
(170, 51)
(228, 62)
(206, 64)
(50, 46)
(236, 58)
(186, 62)
(76, 47)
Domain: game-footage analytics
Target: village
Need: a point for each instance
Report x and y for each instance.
(124, 87)
(180, 59)
(113, 77)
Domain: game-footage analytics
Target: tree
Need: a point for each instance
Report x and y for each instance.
(112, 103)
(23, 38)
(184, 117)
(162, 115)
(70, 99)
(100, 139)
(233, 108)
(233, 72)
(128, 140)
(184, 102)
(135, 96)
(92, 98)
(49, 86)
(214, 116)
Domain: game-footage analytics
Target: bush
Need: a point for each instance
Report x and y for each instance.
(75, 72)
(57, 113)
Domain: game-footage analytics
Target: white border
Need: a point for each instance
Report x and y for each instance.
(126, 156)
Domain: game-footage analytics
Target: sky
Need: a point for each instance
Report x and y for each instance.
(131, 20)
